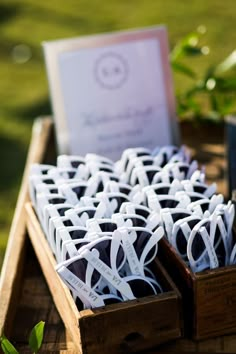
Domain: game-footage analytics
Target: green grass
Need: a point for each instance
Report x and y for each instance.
(23, 87)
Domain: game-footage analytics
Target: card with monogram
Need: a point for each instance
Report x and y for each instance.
(112, 91)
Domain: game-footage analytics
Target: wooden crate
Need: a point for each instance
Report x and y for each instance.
(35, 303)
(120, 328)
(25, 298)
(209, 297)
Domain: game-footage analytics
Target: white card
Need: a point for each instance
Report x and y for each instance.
(111, 92)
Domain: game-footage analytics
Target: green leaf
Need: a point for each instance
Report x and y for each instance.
(7, 347)
(227, 84)
(187, 46)
(190, 40)
(192, 50)
(183, 69)
(199, 87)
(36, 337)
(220, 85)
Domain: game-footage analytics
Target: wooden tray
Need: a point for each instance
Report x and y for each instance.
(209, 297)
(25, 297)
(126, 327)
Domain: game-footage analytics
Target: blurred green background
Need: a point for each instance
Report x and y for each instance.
(23, 83)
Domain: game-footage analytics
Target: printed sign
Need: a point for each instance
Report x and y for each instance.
(111, 92)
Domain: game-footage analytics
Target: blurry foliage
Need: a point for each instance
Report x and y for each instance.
(211, 92)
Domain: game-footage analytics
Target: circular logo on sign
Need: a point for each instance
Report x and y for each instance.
(111, 71)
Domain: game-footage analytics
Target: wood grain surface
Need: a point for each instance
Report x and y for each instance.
(10, 280)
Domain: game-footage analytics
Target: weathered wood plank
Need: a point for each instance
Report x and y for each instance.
(35, 304)
(10, 280)
(60, 293)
